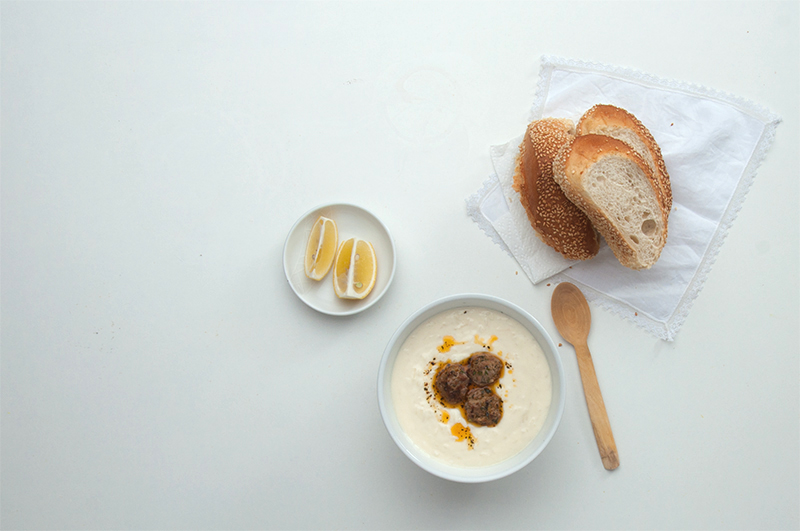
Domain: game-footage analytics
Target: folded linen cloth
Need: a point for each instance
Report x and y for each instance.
(712, 144)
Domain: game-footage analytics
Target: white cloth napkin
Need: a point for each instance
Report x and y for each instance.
(712, 144)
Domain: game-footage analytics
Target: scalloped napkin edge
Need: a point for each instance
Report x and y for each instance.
(709, 186)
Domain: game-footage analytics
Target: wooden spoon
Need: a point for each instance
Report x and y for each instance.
(573, 320)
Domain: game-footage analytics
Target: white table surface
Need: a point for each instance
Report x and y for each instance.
(157, 369)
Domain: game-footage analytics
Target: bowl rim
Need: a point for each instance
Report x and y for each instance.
(507, 466)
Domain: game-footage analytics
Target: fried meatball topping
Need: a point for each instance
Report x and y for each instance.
(484, 368)
(452, 383)
(483, 407)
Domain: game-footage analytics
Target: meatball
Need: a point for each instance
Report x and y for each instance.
(484, 368)
(483, 407)
(452, 383)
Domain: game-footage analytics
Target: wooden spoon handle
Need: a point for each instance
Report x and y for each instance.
(597, 409)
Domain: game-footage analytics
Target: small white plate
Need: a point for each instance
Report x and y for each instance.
(352, 221)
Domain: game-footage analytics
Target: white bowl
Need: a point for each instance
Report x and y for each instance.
(471, 474)
(351, 220)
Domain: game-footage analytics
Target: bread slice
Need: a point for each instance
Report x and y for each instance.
(622, 125)
(617, 190)
(556, 221)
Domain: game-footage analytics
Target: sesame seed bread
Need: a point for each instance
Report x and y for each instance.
(622, 125)
(618, 191)
(555, 220)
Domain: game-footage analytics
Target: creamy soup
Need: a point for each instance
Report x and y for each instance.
(442, 432)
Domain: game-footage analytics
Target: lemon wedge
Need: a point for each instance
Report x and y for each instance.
(355, 269)
(321, 248)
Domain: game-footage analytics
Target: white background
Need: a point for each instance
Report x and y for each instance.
(157, 369)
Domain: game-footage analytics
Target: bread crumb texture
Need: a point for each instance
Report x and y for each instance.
(616, 189)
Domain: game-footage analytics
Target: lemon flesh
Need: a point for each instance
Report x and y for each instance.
(355, 269)
(321, 248)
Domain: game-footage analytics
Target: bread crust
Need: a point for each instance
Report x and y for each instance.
(570, 169)
(555, 219)
(615, 121)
